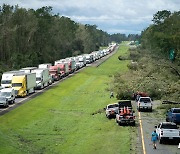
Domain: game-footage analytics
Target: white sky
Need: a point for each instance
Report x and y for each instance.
(112, 16)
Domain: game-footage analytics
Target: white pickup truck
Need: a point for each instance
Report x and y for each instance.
(144, 103)
(168, 131)
(112, 110)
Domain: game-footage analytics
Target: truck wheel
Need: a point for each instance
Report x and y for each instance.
(120, 124)
(160, 141)
(133, 124)
(167, 120)
(7, 104)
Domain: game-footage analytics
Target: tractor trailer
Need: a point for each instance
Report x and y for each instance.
(24, 84)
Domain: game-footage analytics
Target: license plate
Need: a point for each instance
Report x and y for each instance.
(170, 138)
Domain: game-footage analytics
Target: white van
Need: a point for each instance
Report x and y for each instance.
(9, 93)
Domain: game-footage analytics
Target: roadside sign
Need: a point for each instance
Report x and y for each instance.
(172, 54)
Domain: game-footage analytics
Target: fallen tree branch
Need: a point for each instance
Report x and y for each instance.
(170, 102)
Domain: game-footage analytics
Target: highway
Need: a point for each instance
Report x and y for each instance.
(20, 101)
(148, 121)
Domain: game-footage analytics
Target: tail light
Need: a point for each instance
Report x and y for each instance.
(161, 132)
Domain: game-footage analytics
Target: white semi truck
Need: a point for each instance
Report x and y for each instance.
(7, 78)
(42, 77)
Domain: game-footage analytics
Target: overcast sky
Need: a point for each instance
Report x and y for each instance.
(112, 16)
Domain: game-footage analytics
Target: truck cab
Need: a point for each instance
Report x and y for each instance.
(9, 93)
(19, 85)
(173, 115)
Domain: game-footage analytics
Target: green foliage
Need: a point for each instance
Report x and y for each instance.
(163, 35)
(149, 74)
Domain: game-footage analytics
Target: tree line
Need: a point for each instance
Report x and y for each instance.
(164, 34)
(29, 37)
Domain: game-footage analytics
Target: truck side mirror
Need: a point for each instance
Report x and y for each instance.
(155, 126)
(104, 108)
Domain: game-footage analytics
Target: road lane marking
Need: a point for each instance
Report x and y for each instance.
(142, 136)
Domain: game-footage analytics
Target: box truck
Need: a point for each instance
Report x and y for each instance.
(24, 84)
(7, 78)
(42, 77)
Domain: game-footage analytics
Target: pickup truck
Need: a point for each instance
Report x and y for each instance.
(144, 103)
(173, 115)
(125, 113)
(112, 110)
(168, 131)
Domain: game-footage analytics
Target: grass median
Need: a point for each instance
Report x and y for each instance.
(68, 118)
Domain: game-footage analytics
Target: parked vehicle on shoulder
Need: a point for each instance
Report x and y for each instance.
(168, 131)
(144, 103)
(111, 110)
(9, 93)
(4, 101)
(125, 113)
(173, 115)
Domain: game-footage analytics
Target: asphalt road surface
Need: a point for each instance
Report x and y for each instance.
(148, 121)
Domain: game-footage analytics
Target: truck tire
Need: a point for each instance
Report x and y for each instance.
(160, 141)
(167, 120)
(133, 123)
(7, 104)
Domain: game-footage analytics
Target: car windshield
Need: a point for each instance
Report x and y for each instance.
(169, 126)
(2, 99)
(6, 82)
(176, 111)
(145, 100)
(17, 85)
(5, 94)
(38, 79)
(112, 106)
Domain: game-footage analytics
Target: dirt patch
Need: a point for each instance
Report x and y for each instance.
(98, 112)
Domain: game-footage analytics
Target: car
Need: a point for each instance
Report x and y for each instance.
(112, 110)
(4, 101)
(144, 103)
(168, 131)
(173, 115)
(9, 93)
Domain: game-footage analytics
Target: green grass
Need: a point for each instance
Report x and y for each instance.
(64, 119)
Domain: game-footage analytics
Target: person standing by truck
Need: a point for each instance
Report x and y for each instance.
(111, 94)
(154, 138)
